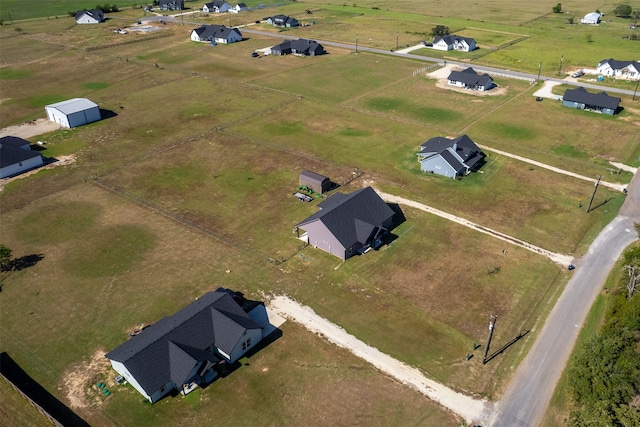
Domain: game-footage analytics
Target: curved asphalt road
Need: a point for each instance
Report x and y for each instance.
(529, 393)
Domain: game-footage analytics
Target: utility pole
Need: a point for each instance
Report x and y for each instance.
(356, 42)
(396, 40)
(561, 61)
(636, 89)
(595, 187)
(492, 322)
(539, 70)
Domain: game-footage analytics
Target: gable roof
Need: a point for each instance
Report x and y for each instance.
(216, 3)
(600, 99)
(299, 46)
(470, 77)
(592, 16)
(466, 151)
(13, 150)
(452, 39)
(170, 348)
(96, 14)
(74, 105)
(619, 65)
(210, 32)
(352, 217)
(313, 177)
(283, 20)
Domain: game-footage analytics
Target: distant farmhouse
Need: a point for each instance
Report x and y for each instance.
(453, 42)
(282, 21)
(216, 34)
(623, 69)
(171, 4)
(470, 79)
(301, 47)
(16, 156)
(596, 102)
(186, 350)
(450, 157)
(219, 6)
(240, 7)
(592, 18)
(89, 17)
(73, 112)
(348, 224)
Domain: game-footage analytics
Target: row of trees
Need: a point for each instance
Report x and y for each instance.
(604, 375)
(621, 11)
(105, 8)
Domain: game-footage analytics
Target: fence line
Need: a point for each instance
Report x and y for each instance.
(427, 68)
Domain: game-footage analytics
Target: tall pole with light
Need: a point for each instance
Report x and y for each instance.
(539, 69)
(356, 42)
(397, 40)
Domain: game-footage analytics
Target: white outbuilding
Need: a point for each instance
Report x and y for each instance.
(73, 112)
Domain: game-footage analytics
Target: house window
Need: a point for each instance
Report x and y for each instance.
(246, 344)
(162, 390)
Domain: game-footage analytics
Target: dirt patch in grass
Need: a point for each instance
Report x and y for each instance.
(79, 381)
(29, 129)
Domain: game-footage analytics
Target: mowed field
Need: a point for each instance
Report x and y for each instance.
(187, 185)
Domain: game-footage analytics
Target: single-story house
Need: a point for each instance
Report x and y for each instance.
(218, 6)
(89, 16)
(453, 42)
(302, 47)
(240, 7)
(470, 79)
(171, 4)
(450, 157)
(315, 181)
(73, 112)
(583, 100)
(592, 18)
(624, 69)
(183, 351)
(282, 21)
(16, 156)
(216, 34)
(348, 224)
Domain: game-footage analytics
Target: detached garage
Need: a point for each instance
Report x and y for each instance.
(73, 112)
(316, 182)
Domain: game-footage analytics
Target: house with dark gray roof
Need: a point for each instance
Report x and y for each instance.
(301, 47)
(622, 69)
(597, 102)
(218, 6)
(16, 156)
(185, 350)
(89, 16)
(283, 21)
(171, 4)
(453, 42)
(348, 224)
(470, 79)
(450, 157)
(216, 34)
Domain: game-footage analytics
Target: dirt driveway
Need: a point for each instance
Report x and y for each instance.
(472, 410)
(29, 129)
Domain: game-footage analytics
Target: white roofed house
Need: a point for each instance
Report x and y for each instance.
(216, 34)
(186, 350)
(592, 18)
(240, 7)
(73, 112)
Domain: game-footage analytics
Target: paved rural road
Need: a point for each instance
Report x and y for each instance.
(529, 392)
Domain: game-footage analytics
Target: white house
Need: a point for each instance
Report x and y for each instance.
(592, 18)
(73, 112)
(218, 6)
(240, 7)
(623, 69)
(453, 42)
(89, 17)
(216, 34)
(16, 156)
(185, 350)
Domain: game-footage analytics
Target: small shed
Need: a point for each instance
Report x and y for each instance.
(73, 112)
(316, 182)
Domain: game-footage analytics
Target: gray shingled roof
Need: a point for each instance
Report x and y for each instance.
(12, 153)
(170, 348)
(210, 32)
(619, 65)
(464, 147)
(96, 14)
(601, 99)
(470, 77)
(450, 39)
(351, 218)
